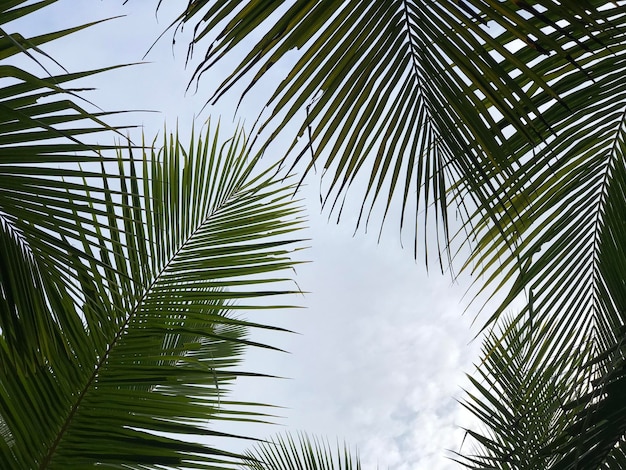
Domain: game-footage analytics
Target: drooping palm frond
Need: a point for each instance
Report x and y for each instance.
(596, 437)
(153, 345)
(409, 96)
(46, 133)
(46, 130)
(306, 453)
(520, 105)
(119, 283)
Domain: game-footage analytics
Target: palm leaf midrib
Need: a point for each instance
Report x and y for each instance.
(233, 196)
(419, 79)
(596, 284)
(598, 225)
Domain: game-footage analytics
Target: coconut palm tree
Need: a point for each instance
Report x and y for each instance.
(509, 112)
(124, 274)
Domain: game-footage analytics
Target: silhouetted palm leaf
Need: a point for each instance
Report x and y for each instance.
(412, 96)
(150, 344)
(518, 394)
(565, 247)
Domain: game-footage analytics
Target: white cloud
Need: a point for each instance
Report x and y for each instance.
(382, 353)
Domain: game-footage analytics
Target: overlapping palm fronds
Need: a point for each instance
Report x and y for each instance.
(46, 132)
(513, 110)
(150, 344)
(123, 279)
(519, 394)
(566, 245)
(410, 96)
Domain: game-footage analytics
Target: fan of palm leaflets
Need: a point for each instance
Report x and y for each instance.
(567, 243)
(121, 278)
(45, 132)
(410, 96)
(310, 453)
(518, 394)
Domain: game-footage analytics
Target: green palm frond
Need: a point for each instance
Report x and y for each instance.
(566, 245)
(513, 111)
(617, 457)
(576, 287)
(409, 96)
(518, 395)
(29, 330)
(284, 452)
(46, 133)
(595, 437)
(153, 341)
(122, 282)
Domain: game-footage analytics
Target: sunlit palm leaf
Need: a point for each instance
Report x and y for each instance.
(284, 452)
(203, 235)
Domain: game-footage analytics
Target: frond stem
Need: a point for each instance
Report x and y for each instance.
(122, 329)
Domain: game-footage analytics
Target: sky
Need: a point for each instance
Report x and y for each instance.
(382, 345)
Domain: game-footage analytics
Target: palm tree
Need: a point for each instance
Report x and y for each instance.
(124, 274)
(511, 112)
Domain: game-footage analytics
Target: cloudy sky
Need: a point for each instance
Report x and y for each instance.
(382, 346)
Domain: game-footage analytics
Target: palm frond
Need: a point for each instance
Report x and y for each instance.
(46, 133)
(408, 96)
(153, 343)
(304, 453)
(515, 109)
(595, 437)
(120, 280)
(564, 249)
(519, 395)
